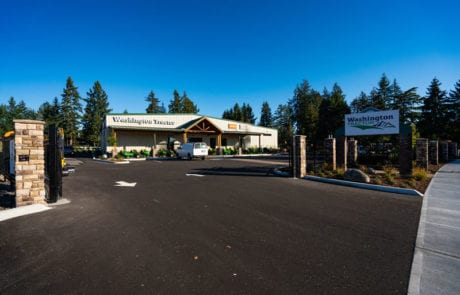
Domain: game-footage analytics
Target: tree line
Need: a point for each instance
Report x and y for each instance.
(309, 112)
(436, 115)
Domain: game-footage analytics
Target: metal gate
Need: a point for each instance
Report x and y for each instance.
(53, 163)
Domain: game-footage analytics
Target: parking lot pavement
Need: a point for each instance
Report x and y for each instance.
(436, 265)
(233, 230)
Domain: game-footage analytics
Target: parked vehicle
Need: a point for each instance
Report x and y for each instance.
(192, 150)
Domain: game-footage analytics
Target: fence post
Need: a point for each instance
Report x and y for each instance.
(29, 162)
(299, 156)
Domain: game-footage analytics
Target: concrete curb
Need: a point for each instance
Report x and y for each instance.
(389, 189)
(21, 211)
(110, 162)
(381, 188)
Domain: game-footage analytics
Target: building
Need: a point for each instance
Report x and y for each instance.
(167, 131)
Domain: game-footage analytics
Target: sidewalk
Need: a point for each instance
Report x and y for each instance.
(436, 264)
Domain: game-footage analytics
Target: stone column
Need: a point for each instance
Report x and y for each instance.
(405, 153)
(341, 149)
(421, 153)
(444, 150)
(352, 155)
(29, 162)
(330, 154)
(453, 151)
(433, 152)
(300, 156)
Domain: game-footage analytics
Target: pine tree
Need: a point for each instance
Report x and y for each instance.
(434, 116)
(13, 111)
(153, 107)
(282, 121)
(97, 107)
(382, 96)
(361, 103)
(188, 107)
(50, 113)
(454, 99)
(247, 115)
(305, 109)
(175, 105)
(70, 112)
(266, 118)
(332, 112)
(234, 113)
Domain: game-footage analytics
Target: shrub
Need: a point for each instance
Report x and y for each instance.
(419, 174)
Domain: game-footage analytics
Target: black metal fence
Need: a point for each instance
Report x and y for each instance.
(54, 149)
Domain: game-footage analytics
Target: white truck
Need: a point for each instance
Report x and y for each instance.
(192, 150)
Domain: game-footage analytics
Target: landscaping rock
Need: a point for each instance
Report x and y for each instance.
(356, 175)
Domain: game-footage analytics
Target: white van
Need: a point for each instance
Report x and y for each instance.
(193, 150)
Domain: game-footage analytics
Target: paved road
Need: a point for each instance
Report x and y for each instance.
(226, 228)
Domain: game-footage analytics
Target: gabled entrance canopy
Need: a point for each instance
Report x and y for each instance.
(201, 125)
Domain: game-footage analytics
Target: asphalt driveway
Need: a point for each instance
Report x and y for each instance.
(209, 227)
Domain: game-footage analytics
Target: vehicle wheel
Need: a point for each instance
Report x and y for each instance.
(189, 157)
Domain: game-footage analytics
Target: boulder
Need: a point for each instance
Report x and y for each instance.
(356, 175)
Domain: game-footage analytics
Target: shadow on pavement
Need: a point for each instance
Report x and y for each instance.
(238, 171)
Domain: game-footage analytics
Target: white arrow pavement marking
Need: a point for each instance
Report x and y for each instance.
(124, 183)
(196, 175)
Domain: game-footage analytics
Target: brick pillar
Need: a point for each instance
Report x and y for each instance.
(453, 151)
(444, 152)
(433, 152)
(29, 162)
(352, 155)
(342, 148)
(300, 156)
(405, 153)
(330, 153)
(421, 153)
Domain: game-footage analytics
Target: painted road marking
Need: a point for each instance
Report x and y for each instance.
(196, 175)
(126, 184)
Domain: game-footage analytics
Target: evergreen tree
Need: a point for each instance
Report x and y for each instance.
(361, 103)
(50, 113)
(70, 112)
(188, 107)
(407, 102)
(153, 107)
(234, 114)
(247, 115)
(454, 99)
(175, 105)
(332, 112)
(305, 109)
(13, 111)
(282, 121)
(266, 119)
(434, 116)
(97, 106)
(382, 96)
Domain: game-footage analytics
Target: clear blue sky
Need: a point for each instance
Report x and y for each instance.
(222, 52)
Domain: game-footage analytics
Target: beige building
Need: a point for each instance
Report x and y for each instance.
(156, 131)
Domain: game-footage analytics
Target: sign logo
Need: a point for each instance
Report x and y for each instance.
(372, 123)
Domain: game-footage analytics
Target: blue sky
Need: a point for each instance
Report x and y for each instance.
(222, 52)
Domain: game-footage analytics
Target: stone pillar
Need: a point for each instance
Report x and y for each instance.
(444, 150)
(341, 149)
(405, 153)
(433, 152)
(300, 156)
(330, 154)
(29, 162)
(453, 151)
(352, 155)
(421, 153)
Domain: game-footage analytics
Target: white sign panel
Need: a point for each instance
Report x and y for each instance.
(372, 123)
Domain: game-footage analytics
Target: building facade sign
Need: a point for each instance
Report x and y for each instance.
(142, 121)
(372, 123)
